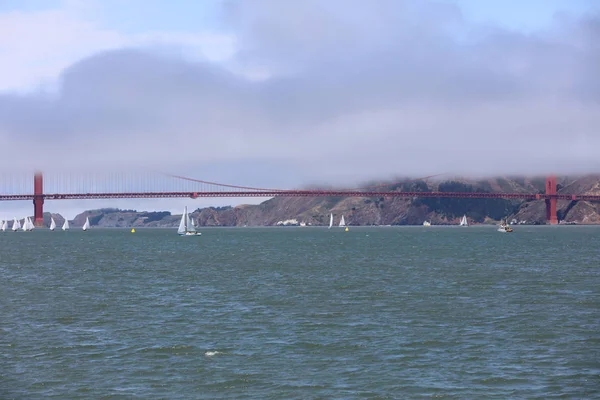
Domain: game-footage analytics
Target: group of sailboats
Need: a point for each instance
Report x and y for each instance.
(342, 223)
(503, 227)
(463, 222)
(16, 225)
(65, 226)
(29, 226)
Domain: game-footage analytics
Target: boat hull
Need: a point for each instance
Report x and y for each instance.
(190, 234)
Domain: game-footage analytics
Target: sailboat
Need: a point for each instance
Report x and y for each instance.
(330, 221)
(463, 221)
(186, 227)
(86, 226)
(52, 224)
(3, 227)
(16, 225)
(65, 226)
(343, 223)
(27, 225)
(504, 227)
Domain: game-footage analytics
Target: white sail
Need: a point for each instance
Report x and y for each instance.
(52, 224)
(342, 222)
(190, 225)
(3, 227)
(65, 226)
(463, 221)
(86, 226)
(25, 226)
(331, 221)
(30, 225)
(183, 223)
(186, 225)
(16, 225)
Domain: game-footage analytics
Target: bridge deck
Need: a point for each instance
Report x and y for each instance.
(300, 193)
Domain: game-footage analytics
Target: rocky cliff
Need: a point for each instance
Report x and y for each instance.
(380, 211)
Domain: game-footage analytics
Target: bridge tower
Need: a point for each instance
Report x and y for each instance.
(38, 199)
(551, 215)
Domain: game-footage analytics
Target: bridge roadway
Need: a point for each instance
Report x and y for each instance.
(300, 193)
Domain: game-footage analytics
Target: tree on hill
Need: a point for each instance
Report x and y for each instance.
(475, 208)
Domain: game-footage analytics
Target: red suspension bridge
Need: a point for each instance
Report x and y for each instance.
(157, 185)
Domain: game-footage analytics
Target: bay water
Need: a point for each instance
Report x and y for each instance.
(301, 313)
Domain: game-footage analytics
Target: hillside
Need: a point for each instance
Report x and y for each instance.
(381, 211)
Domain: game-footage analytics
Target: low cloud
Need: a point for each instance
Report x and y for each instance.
(352, 92)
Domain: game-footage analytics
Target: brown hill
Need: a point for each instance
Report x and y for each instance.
(580, 212)
(383, 211)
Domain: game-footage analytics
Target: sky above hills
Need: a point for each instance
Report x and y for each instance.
(279, 93)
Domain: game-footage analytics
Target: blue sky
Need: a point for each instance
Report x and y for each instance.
(522, 14)
(136, 16)
(159, 15)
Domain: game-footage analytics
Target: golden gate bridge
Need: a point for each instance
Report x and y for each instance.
(149, 184)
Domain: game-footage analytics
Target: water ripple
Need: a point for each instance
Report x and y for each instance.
(301, 313)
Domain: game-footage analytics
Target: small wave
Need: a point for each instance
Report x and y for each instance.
(178, 349)
(212, 353)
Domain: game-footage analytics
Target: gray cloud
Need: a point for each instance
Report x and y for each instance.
(358, 90)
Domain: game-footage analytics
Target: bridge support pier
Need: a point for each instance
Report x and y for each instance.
(551, 214)
(38, 199)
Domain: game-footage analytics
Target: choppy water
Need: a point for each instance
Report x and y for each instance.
(301, 313)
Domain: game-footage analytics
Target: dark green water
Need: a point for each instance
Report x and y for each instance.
(301, 313)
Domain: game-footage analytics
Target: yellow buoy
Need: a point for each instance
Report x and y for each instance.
(132, 230)
(346, 229)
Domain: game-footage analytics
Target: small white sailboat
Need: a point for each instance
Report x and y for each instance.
(426, 223)
(27, 225)
(186, 226)
(52, 224)
(463, 221)
(330, 221)
(16, 225)
(65, 226)
(3, 227)
(86, 226)
(343, 223)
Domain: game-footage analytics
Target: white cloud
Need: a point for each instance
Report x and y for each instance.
(37, 46)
